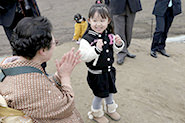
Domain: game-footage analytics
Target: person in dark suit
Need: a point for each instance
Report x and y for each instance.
(123, 14)
(164, 11)
(12, 11)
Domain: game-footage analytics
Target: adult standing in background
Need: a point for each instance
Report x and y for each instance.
(123, 14)
(164, 11)
(12, 11)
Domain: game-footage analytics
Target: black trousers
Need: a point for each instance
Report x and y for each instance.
(9, 30)
(163, 24)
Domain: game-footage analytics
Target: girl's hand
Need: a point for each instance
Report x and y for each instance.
(118, 40)
(99, 44)
(66, 65)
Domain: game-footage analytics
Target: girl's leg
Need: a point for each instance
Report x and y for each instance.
(97, 102)
(109, 99)
(97, 112)
(110, 108)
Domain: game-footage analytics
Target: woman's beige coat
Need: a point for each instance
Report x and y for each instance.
(37, 95)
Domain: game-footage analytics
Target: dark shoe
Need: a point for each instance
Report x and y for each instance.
(131, 55)
(120, 58)
(163, 52)
(153, 54)
(120, 61)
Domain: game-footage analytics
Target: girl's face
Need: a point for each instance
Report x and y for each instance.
(98, 24)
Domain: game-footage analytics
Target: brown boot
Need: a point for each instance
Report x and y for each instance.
(110, 110)
(97, 115)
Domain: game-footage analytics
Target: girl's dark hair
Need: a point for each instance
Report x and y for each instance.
(104, 12)
(30, 35)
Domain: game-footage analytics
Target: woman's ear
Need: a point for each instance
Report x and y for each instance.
(42, 51)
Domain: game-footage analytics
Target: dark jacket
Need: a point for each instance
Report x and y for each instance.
(118, 6)
(8, 10)
(162, 5)
(102, 63)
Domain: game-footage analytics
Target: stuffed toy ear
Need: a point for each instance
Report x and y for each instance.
(77, 17)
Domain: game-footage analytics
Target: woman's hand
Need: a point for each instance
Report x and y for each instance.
(66, 65)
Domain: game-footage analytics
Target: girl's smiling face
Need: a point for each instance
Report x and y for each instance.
(98, 24)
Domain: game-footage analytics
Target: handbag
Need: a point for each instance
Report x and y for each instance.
(10, 115)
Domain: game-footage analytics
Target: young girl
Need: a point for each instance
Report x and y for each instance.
(97, 47)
